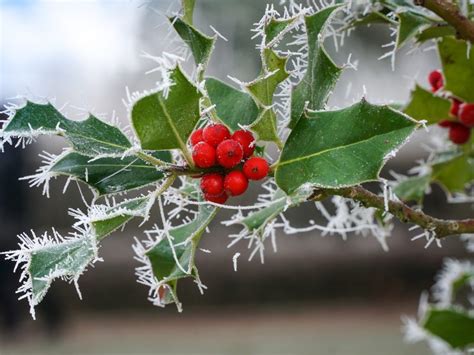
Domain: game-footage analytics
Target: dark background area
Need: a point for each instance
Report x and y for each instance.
(317, 295)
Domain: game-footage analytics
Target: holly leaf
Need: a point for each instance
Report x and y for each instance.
(454, 173)
(165, 122)
(457, 60)
(410, 25)
(333, 149)
(454, 326)
(108, 219)
(435, 31)
(322, 73)
(257, 220)
(65, 259)
(90, 137)
(261, 89)
(424, 105)
(109, 175)
(233, 106)
(413, 188)
(179, 247)
(201, 45)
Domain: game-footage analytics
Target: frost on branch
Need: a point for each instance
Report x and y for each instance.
(45, 258)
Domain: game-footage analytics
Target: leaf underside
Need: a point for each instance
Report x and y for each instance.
(67, 259)
(109, 175)
(424, 105)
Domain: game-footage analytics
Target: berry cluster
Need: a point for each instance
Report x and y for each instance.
(215, 147)
(462, 121)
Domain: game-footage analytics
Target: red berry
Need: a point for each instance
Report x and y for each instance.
(458, 133)
(466, 114)
(235, 183)
(221, 198)
(436, 80)
(204, 155)
(212, 184)
(256, 168)
(446, 123)
(246, 140)
(196, 137)
(229, 153)
(215, 134)
(454, 110)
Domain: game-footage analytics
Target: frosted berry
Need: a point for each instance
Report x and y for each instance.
(446, 123)
(221, 198)
(454, 110)
(466, 114)
(215, 134)
(458, 133)
(229, 153)
(212, 184)
(235, 183)
(204, 155)
(256, 168)
(246, 140)
(436, 80)
(196, 137)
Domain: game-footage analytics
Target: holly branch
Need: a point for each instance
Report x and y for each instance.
(441, 227)
(449, 11)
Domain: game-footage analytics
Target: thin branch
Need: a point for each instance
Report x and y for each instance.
(441, 228)
(449, 11)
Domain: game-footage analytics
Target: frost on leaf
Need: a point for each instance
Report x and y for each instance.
(48, 257)
(90, 137)
(168, 256)
(103, 175)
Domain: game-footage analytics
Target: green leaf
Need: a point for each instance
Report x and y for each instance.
(163, 123)
(65, 259)
(188, 10)
(454, 173)
(233, 106)
(262, 90)
(201, 45)
(257, 220)
(458, 67)
(275, 28)
(436, 31)
(322, 73)
(109, 175)
(374, 17)
(332, 149)
(114, 217)
(184, 241)
(454, 326)
(410, 25)
(424, 105)
(90, 137)
(413, 188)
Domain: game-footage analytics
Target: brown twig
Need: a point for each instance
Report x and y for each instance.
(442, 228)
(449, 11)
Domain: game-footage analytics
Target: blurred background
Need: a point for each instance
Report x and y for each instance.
(317, 295)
